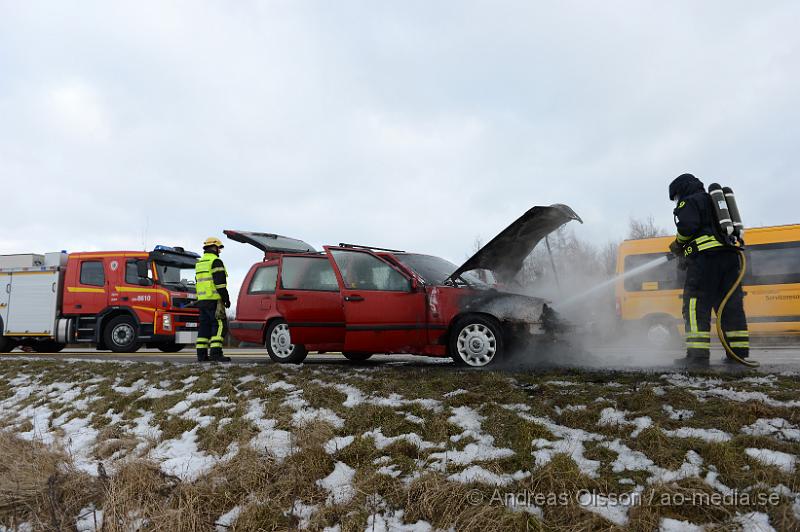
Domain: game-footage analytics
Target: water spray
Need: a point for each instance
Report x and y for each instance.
(655, 263)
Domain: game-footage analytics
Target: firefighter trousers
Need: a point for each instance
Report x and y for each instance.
(211, 330)
(709, 277)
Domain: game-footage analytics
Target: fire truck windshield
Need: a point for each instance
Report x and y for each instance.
(178, 277)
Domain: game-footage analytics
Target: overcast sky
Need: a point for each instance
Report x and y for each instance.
(416, 125)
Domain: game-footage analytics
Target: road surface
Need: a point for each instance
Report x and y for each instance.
(627, 358)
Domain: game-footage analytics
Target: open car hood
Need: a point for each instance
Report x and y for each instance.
(270, 243)
(506, 252)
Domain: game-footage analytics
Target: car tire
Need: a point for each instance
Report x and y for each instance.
(48, 346)
(476, 341)
(661, 333)
(357, 357)
(120, 335)
(280, 347)
(170, 347)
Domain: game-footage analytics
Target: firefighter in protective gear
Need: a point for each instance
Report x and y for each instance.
(711, 269)
(211, 280)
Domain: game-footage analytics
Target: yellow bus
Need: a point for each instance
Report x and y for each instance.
(651, 300)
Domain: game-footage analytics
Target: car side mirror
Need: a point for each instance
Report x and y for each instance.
(414, 284)
(142, 270)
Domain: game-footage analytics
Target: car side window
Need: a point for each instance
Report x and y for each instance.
(264, 280)
(308, 273)
(92, 273)
(362, 271)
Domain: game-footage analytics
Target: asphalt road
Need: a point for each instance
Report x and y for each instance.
(627, 358)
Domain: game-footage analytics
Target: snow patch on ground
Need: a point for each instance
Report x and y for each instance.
(303, 512)
(709, 435)
(89, 519)
(338, 443)
(479, 475)
(678, 415)
(613, 417)
(226, 520)
(675, 525)
(615, 511)
(382, 442)
(339, 484)
(783, 461)
(776, 427)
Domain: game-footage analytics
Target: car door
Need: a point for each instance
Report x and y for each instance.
(383, 309)
(309, 299)
(256, 302)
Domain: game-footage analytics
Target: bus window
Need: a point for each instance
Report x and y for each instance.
(777, 263)
(665, 277)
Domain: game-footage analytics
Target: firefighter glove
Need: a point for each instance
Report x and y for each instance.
(676, 249)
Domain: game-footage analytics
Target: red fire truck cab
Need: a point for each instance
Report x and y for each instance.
(362, 300)
(117, 300)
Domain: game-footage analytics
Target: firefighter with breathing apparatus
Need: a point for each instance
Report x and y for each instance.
(211, 280)
(710, 246)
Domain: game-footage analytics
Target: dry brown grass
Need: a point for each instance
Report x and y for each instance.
(41, 487)
(38, 486)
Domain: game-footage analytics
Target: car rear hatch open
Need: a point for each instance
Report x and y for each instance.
(505, 254)
(270, 243)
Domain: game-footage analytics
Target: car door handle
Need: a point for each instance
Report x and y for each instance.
(287, 297)
(78, 306)
(353, 298)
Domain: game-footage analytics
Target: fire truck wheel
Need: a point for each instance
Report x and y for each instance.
(280, 347)
(48, 346)
(476, 341)
(120, 335)
(357, 357)
(170, 347)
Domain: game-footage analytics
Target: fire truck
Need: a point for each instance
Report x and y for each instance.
(115, 300)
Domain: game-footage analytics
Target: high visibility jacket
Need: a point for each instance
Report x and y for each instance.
(210, 278)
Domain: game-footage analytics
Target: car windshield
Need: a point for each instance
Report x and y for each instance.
(435, 270)
(177, 277)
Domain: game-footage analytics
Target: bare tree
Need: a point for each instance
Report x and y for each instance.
(646, 228)
(608, 258)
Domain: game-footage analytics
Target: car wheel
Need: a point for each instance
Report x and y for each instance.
(476, 341)
(661, 333)
(48, 346)
(120, 335)
(170, 347)
(357, 357)
(280, 347)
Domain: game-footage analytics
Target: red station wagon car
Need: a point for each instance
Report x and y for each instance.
(360, 300)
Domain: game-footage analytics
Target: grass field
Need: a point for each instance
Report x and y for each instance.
(143, 446)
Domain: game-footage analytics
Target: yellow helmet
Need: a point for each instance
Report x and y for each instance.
(213, 241)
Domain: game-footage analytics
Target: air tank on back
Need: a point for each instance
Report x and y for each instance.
(733, 208)
(721, 210)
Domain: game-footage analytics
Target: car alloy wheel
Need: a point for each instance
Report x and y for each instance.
(281, 341)
(476, 344)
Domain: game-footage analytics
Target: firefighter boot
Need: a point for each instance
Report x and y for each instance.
(201, 345)
(217, 356)
(694, 359)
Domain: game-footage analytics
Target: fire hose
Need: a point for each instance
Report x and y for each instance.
(728, 351)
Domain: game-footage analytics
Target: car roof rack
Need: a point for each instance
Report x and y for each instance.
(357, 246)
